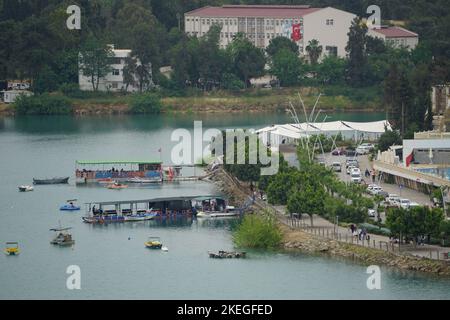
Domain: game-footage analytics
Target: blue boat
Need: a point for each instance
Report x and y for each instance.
(70, 206)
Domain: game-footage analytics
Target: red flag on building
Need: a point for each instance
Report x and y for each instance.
(409, 159)
(296, 33)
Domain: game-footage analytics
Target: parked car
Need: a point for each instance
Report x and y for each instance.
(355, 170)
(351, 162)
(362, 151)
(336, 167)
(356, 178)
(393, 199)
(383, 194)
(404, 203)
(350, 153)
(374, 191)
(369, 146)
(371, 186)
(338, 152)
(372, 213)
(349, 169)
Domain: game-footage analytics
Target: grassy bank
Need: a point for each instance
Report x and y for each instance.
(337, 99)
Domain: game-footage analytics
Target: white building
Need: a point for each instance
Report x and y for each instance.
(261, 23)
(114, 80)
(396, 36)
(9, 96)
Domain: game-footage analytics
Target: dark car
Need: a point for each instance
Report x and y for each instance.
(338, 152)
(384, 194)
(350, 153)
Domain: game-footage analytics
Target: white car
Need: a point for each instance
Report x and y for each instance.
(356, 177)
(375, 190)
(368, 146)
(372, 213)
(336, 167)
(404, 203)
(349, 169)
(355, 170)
(393, 199)
(414, 205)
(362, 150)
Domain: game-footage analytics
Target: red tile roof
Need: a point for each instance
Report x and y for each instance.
(396, 32)
(271, 11)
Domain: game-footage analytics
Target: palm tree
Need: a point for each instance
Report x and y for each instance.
(314, 50)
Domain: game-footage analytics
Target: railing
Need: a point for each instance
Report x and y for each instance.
(333, 234)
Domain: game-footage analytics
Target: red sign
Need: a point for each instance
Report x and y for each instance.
(296, 33)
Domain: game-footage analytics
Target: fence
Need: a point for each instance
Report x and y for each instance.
(334, 234)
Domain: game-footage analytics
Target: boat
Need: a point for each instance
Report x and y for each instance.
(154, 243)
(213, 207)
(12, 249)
(115, 170)
(70, 206)
(62, 180)
(227, 255)
(117, 186)
(140, 180)
(63, 237)
(138, 210)
(25, 188)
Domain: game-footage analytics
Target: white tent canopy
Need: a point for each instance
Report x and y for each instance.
(286, 133)
(369, 127)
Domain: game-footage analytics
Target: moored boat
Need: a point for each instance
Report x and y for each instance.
(62, 180)
(63, 237)
(121, 171)
(153, 243)
(117, 186)
(12, 248)
(227, 255)
(25, 188)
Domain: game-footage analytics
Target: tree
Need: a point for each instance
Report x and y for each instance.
(357, 54)
(95, 60)
(248, 61)
(389, 138)
(280, 43)
(308, 200)
(287, 67)
(331, 70)
(314, 51)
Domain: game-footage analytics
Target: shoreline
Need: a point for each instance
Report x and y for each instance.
(295, 240)
(7, 110)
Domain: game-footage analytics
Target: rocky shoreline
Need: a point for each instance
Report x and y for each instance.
(295, 240)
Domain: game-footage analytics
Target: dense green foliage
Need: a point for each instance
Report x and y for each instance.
(415, 222)
(44, 104)
(259, 231)
(146, 103)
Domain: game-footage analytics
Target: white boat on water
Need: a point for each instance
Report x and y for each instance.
(229, 211)
(25, 188)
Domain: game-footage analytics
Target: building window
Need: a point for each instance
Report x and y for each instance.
(332, 51)
(330, 22)
(116, 72)
(114, 85)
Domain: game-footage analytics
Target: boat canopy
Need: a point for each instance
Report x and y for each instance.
(165, 199)
(204, 198)
(116, 162)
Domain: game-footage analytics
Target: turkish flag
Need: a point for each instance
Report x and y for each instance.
(296, 33)
(409, 159)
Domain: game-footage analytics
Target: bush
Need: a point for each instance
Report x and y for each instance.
(258, 231)
(375, 229)
(146, 103)
(44, 104)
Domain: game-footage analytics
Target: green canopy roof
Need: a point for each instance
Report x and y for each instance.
(82, 162)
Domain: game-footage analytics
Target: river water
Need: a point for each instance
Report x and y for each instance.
(113, 260)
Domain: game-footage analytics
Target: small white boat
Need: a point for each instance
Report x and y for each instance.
(165, 249)
(25, 188)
